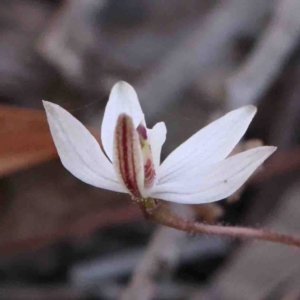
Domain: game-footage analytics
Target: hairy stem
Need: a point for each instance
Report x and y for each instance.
(161, 214)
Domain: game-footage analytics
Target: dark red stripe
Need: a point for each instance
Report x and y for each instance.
(149, 173)
(124, 141)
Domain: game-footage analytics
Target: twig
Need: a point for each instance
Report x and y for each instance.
(256, 268)
(202, 51)
(285, 289)
(294, 294)
(84, 225)
(163, 216)
(286, 122)
(120, 264)
(69, 37)
(161, 255)
(264, 64)
(283, 163)
(11, 292)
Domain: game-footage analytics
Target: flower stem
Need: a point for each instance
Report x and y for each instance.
(161, 214)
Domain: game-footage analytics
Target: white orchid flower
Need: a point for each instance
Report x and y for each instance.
(198, 171)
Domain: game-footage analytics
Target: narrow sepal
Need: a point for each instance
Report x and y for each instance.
(79, 151)
(216, 182)
(209, 145)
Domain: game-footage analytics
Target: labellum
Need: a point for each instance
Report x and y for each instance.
(133, 157)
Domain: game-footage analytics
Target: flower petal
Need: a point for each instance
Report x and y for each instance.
(79, 151)
(215, 182)
(127, 158)
(122, 99)
(209, 145)
(157, 137)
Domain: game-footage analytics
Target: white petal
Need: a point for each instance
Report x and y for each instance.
(211, 144)
(215, 182)
(79, 151)
(157, 137)
(122, 99)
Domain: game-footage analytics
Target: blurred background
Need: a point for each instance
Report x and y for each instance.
(190, 61)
